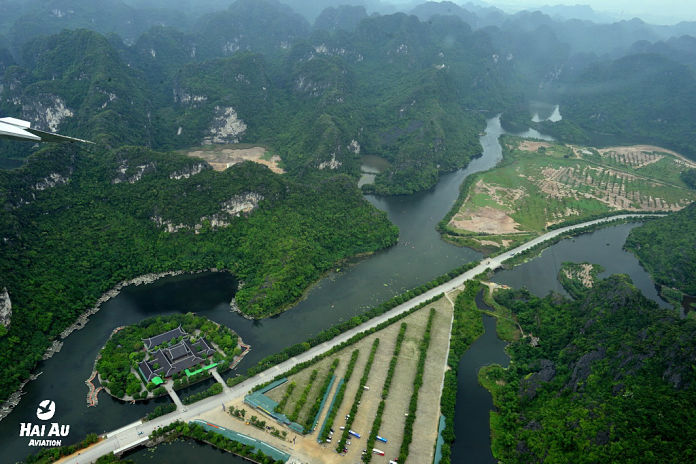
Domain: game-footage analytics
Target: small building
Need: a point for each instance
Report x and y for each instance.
(164, 337)
(166, 362)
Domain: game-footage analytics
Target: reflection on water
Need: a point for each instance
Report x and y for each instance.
(181, 451)
(604, 247)
(370, 167)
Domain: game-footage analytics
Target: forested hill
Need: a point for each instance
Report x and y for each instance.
(666, 247)
(74, 223)
(76, 81)
(611, 380)
(414, 89)
(407, 90)
(641, 98)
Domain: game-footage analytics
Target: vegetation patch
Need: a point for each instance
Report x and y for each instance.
(367, 457)
(417, 383)
(338, 399)
(666, 247)
(286, 396)
(303, 398)
(312, 415)
(213, 390)
(539, 186)
(577, 278)
(49, 455)
(138, 358)
(358, 395)
(197, 432)
(611, 379)
(161, 410)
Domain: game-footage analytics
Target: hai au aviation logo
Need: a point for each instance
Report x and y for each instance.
(45, 411)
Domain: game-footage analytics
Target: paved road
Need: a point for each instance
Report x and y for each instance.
(137, 432)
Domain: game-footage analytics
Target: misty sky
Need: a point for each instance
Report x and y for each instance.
(668, 10)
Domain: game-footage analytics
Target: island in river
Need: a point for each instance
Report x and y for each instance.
(139, 359)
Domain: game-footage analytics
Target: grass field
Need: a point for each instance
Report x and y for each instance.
(541, 184)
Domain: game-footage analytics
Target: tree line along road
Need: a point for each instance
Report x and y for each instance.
(136, 433)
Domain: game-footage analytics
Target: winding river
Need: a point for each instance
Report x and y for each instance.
(419, 256)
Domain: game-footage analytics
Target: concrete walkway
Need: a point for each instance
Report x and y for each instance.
(219, 378)
(169, 386)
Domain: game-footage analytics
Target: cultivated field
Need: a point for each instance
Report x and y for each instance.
(309, 450)
(540, 184)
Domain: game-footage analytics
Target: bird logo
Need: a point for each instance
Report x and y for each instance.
(46, 409)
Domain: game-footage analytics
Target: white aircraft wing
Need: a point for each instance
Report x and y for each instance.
(18, 129)
(52, 137)
(12, 131)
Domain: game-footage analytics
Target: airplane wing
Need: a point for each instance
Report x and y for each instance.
(18, 129)
(52, 137)
(15, 132)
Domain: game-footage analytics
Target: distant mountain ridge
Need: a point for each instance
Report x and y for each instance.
(408, 89)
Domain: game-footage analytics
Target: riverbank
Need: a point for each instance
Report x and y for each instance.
(82, 321)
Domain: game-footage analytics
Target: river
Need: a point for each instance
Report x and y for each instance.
(419, 256)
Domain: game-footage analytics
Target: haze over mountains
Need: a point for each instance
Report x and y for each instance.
(320, 84)
(313, 92)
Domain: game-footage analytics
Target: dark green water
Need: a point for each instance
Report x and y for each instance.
(420, 256)
(474, 403)
(188, 449)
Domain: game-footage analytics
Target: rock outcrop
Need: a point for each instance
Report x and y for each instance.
(226, 127)
(122, 175)
(240, 204)
(189, 171)
(5, 308)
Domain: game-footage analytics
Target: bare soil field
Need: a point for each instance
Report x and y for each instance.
(306, 447)
(529, 145)
(634, 158)
(532, 190)
(221, 157)
(609, 186)
(486, 220)
(645, 149)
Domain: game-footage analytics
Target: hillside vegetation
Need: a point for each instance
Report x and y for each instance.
(406, 90)
(611, 380)
(75, 223)
(666, 247)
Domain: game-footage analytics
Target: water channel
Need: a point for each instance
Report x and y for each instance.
(419, 256)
